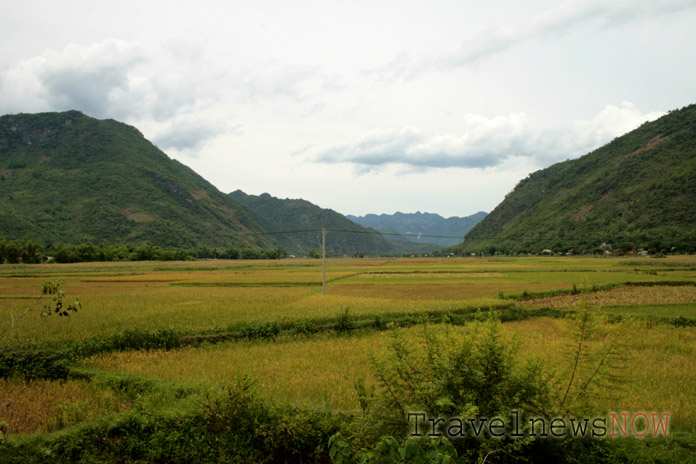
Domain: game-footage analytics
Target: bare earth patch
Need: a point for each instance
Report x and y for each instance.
(137, 217)
(582, 213)
(200, 194)
(649, 146)
(621, 296)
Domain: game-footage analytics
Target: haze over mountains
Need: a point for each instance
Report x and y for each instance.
(278, 216)
(422, 227)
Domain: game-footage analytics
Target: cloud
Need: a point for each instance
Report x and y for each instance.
(95, 79)
(189, 132)
(556, 22)
(486, 142)
(174, 84)
(121, 80)
(581, 137)
(483, 143)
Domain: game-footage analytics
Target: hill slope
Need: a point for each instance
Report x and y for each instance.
(638, 191)
(70, 178)
(274, 215)
(421, 223)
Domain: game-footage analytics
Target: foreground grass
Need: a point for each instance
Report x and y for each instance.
(318, 372)
(657, 373)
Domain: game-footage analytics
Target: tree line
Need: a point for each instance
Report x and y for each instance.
(28, 252)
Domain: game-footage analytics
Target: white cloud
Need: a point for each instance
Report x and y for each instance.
(551, 24)
(95, 79)
(487, 142)
(172, 89)
(189, 131)
(272, 96)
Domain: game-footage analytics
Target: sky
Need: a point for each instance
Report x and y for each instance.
(358, 106)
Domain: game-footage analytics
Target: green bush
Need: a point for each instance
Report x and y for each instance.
(345, 322)
(471, 373)
(304, 327)
(445, 374)
(263, 330)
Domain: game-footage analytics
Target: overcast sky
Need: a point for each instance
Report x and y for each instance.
(359, 106)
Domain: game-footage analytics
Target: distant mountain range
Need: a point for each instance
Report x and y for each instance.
(433, 226)
(639, 191)
(278, 217)
(69, 178)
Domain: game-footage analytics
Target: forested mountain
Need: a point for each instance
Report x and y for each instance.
(286, 215)
(69, 178)
(638, 191)
(421, 223)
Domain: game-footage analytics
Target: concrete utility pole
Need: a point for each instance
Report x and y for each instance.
(323, 260)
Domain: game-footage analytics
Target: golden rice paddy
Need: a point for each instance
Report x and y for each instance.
(320, 371)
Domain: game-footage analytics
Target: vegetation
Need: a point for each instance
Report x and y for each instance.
(421, 223)
(276, 215)
(68, 178)
(168, 347)
(634, 193)
(15, 252)
(239, 359)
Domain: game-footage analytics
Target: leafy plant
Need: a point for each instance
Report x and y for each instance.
(593, 360)
(472, 372)
(54, 303)
(345, 322)
(261, 330)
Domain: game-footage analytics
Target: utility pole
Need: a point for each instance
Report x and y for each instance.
(323, 260)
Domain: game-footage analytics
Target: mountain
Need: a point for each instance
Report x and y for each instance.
(69, 178)
(638, 191)
(277, 215)
(421, 223)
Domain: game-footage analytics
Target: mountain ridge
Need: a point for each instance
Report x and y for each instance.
(636, 192)
(70, 178)
(297, 215)
(419, 223)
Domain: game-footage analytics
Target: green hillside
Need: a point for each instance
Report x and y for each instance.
(278, 215)
(422, 223)
(638, 191)
(69, 178)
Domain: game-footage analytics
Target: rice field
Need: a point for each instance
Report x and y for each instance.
(657, 370)
(320, 371)
(47, 405)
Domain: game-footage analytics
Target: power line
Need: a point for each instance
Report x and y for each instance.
(367, 232)
(281, 232)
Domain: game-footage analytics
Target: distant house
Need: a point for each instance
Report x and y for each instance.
(546, 252)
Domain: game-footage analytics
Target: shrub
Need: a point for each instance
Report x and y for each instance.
(304, 327)
(471, 373)
(345, 322)
(441, 374)
(260, 331)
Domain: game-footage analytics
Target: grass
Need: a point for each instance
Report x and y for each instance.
(658, 372)
(47, 405)
(622, 296)
(320, 371)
